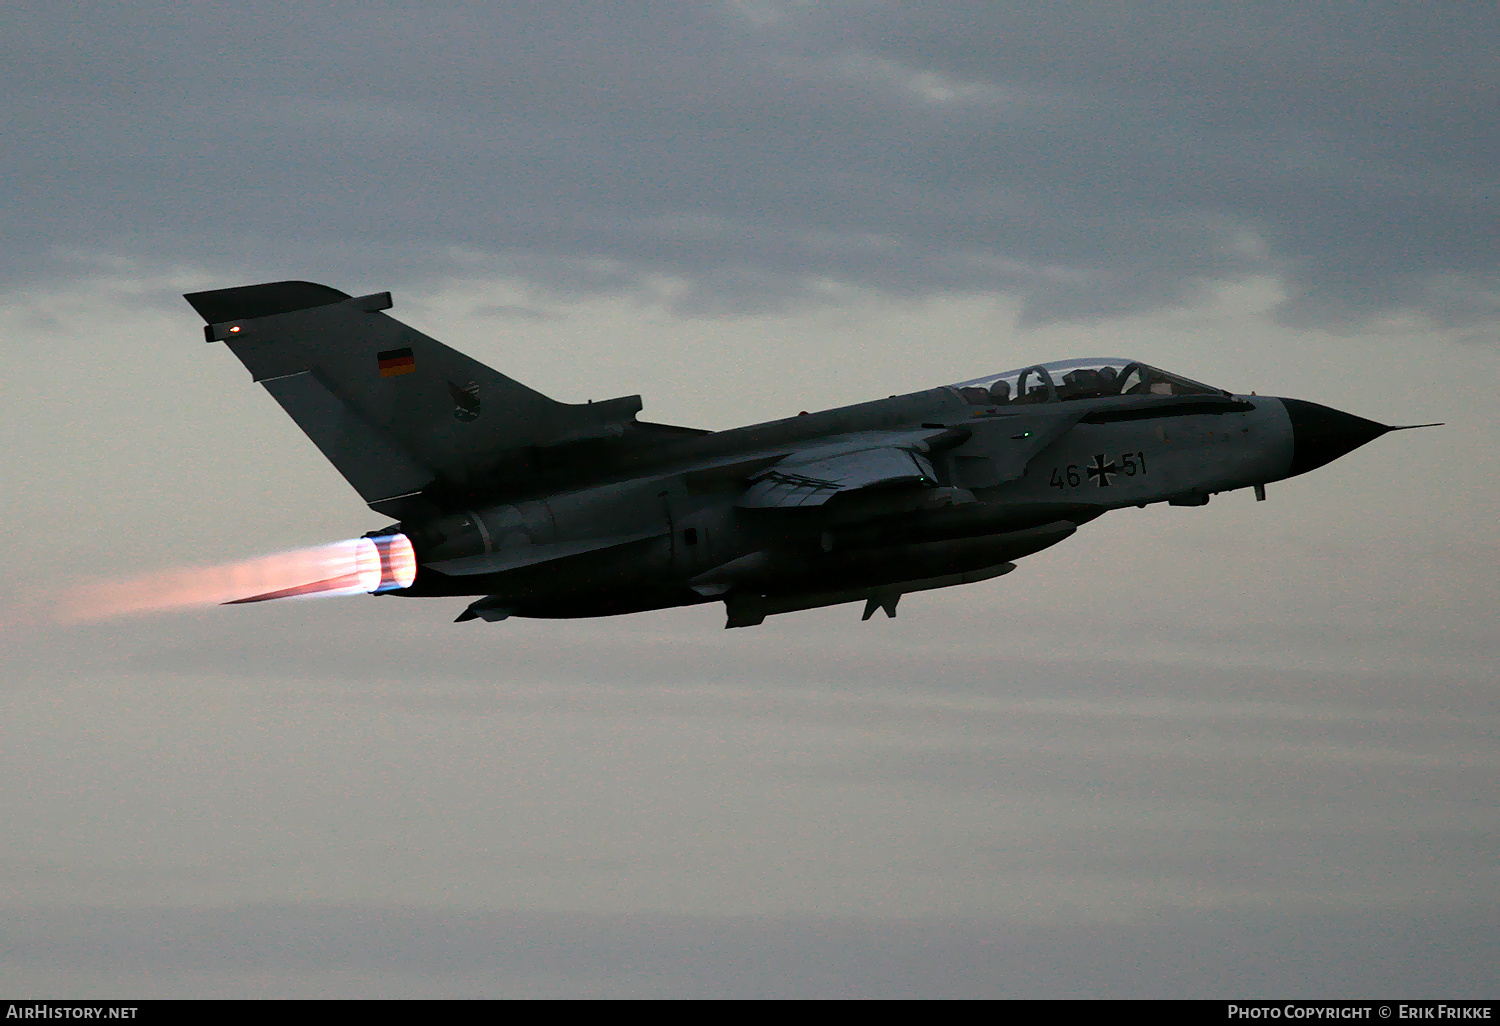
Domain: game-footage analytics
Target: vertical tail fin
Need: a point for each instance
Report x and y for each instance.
(391, 408)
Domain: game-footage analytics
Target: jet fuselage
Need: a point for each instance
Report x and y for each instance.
(548, 509)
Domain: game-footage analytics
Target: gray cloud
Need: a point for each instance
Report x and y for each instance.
(1247, 749)
(404, 951)
(359, 798)
(1091, 159)
(515, 311)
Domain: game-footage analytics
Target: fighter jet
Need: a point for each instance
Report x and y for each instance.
(546, 509)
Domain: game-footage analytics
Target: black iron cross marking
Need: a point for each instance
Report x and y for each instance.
(1101, 470)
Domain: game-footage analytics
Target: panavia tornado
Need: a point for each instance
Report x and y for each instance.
(540, 508)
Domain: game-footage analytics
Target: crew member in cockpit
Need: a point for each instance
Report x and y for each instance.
(1087, 383)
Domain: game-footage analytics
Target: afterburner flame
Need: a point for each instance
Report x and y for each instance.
(398, 562)
(351, 567)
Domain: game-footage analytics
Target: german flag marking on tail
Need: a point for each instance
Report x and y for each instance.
(396, 361)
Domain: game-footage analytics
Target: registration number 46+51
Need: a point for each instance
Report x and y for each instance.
(1099, 471)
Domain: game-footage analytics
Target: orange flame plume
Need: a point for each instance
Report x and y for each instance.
(351, 567)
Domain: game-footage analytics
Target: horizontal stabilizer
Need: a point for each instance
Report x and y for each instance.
(489, 609)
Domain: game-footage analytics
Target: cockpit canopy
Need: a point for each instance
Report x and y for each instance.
(1090, 378)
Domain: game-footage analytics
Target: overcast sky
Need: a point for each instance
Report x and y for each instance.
(1242, 750)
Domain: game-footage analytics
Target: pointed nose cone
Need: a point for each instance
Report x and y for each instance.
(1322, 434)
